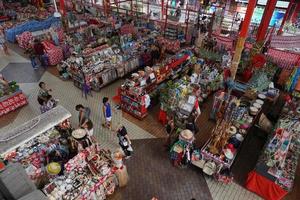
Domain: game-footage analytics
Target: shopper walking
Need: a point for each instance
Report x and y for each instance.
(84, 115)
(107, 113)
(124, 141)
(3, 45)
(32, 57)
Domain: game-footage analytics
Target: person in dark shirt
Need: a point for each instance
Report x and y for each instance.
(39, 51)
(146, 57)
(154, 54)
(191, 124)
(124, 140)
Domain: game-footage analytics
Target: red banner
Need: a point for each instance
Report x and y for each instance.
(11, 103)
(222, 40)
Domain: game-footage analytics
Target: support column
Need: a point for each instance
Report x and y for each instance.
(265, 21)
(62, 7)
(286, 16)
(295, 13)
(166, 20)
(242, 37)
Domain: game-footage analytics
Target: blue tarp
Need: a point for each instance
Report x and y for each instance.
(31, 26)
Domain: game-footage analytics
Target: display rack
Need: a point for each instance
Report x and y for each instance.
(10, 140)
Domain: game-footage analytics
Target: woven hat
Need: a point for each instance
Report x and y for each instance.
(187, 134)
(53, 168)
(232, 130)
(79, 133)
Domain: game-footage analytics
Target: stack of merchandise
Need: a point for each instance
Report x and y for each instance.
(66, 167)
(136, 92)
(89, 175)
(54, 53)
(96, 68)
(236, 116)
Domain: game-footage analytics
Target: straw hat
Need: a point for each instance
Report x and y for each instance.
(187, 134)
(53, 168)
(232, 130)
(79, 133)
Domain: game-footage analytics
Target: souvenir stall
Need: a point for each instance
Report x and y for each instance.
(179, 98)
(26, 39)
(20, 15)
(31, 26)
(45, 148)
(136, 92)
(96, 68)
(235, 117)
(11, 97)
(275, 171)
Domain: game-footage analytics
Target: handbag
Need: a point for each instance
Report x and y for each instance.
(129, 148)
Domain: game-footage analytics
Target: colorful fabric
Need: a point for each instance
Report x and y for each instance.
(283, 59)
(9, 104)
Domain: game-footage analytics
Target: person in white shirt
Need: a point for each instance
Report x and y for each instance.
(195, 78)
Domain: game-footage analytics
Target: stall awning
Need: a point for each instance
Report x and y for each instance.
(16, 137)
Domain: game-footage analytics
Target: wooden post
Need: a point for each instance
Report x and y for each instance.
(242, 37)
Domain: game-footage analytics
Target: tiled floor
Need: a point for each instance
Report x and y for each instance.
(140, 172)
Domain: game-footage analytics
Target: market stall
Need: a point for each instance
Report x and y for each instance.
(11, 97)
(235, 118)
(135, 93)
(275, 171)
(63, 161)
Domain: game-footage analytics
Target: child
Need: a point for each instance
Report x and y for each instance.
(48, 105)
(107, 113)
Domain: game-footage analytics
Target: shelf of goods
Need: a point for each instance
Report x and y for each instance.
(90, 174)
(275, 171)
(180, 98)
(97, 67)
(11, 97)
(135, 94)
(235, 118)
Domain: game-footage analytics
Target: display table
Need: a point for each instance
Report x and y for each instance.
(12, 102)
(274, 173)
(10, 140)
(264, 187)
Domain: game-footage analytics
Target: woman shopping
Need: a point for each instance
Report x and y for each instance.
(124, 141)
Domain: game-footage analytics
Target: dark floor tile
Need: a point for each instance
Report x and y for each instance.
(22, 73)
(152, 174)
